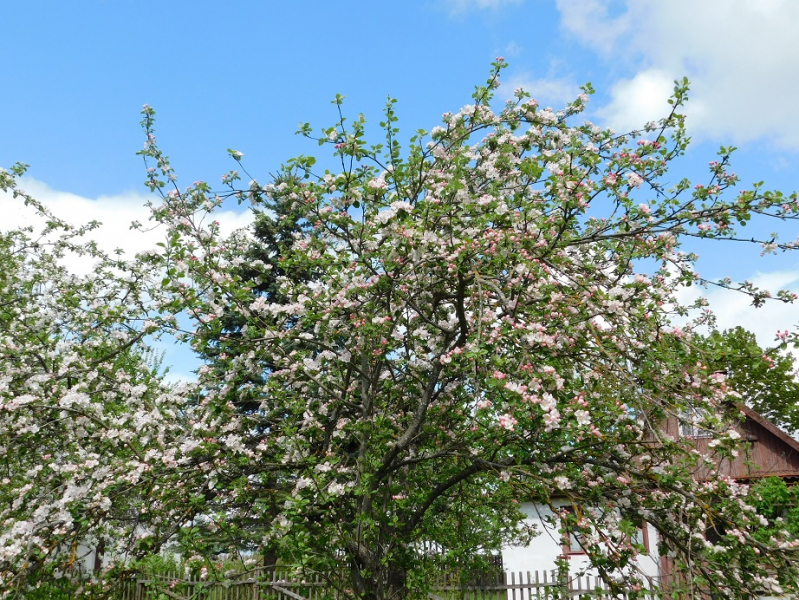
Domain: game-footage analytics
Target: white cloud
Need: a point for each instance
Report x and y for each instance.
(734, 309)
(638, 100)
(552, 91)
(742, 57)
(512, 48)
(462, 6)
(116, 213)
(590, 22)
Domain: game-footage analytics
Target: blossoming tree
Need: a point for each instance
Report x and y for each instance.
(87, 429)
(482, 318)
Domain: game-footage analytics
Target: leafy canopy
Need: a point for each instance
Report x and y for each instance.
(765, 378)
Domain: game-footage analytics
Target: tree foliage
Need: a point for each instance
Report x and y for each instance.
(436, 333)
(779, 505)
(765, 378)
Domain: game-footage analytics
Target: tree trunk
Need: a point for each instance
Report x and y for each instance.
(99, 552)
(384, 583)
(269, 554)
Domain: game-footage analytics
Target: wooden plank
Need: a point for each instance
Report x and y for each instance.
(287, 592)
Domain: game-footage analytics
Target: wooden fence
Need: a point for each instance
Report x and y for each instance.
(284, 585)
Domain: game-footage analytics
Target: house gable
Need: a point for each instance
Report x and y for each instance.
(770, 453)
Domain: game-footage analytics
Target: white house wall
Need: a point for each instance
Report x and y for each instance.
(544, 549)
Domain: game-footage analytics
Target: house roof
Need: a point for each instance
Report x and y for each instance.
(771, 453)
(770, 427)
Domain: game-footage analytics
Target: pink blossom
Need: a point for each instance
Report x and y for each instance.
(634, 179)
(507, 421)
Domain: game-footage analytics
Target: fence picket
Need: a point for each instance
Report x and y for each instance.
(275, 584)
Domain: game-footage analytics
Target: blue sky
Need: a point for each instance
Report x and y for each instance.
(244, 74)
